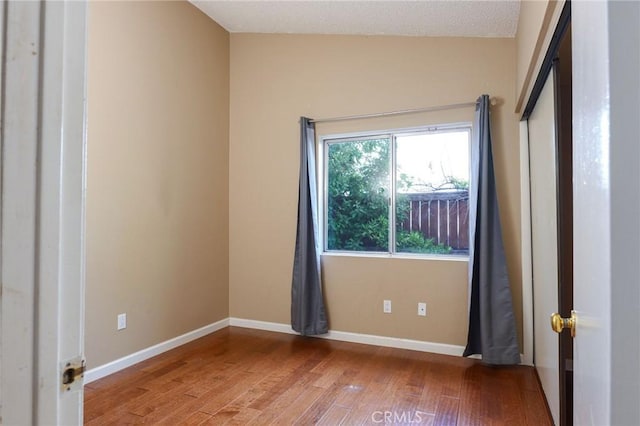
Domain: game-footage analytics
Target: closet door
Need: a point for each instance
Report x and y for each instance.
(544, 241)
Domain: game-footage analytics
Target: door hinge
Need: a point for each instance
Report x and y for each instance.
(72, 374)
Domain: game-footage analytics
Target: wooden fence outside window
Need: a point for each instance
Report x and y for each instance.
(442, 216)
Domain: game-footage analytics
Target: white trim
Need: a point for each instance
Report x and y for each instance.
(434, 128)
(129, 360)
(61, 261)
(526, 267)
(261, 325)
(367, 339)
(407, 256)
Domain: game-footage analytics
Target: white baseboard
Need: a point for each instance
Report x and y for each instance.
(127, 361)
(367, 339)
(344, 336)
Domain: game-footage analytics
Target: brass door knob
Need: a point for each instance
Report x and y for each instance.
(558, 323)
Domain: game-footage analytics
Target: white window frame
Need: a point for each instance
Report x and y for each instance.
(322, 149)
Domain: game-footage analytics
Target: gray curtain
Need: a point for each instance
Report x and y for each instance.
(308, 316)
(492, 330)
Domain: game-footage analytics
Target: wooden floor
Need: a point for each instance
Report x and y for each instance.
(242, 376)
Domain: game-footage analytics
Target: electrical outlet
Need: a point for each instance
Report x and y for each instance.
(386, 306)
(122, 321)
(422, 309)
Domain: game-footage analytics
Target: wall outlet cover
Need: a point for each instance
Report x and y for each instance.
(422, 309)
(122, 321)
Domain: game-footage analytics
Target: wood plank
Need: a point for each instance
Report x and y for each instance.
(102, 405)
(335, 415)
(367, 405)
(424, 218)
(281, 383)
(444, 221)
(116, 416)
(90, 392)
(244, 416)
(196, 418)
(282, 402)
(297, 408)
(447, 411)
(164, 407)
(327, 399)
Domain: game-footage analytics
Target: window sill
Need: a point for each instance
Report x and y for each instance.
(446, 258)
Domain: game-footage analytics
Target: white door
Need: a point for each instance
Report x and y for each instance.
(42, 263)
(606, 187)
(544, 241)
(592, 249)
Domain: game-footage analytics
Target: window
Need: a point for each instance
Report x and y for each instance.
(421, 176)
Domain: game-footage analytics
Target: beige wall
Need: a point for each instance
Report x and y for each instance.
(277, 78)
(536, 24)
(157, 200)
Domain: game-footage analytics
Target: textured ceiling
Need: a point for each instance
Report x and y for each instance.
(440, 18)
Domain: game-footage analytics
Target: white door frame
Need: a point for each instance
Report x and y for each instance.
(526, 256)
(43, 185)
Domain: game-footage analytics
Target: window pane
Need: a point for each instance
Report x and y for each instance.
(358, 195)
(432, 192)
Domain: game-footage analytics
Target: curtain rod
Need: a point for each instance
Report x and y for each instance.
(493, 101)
